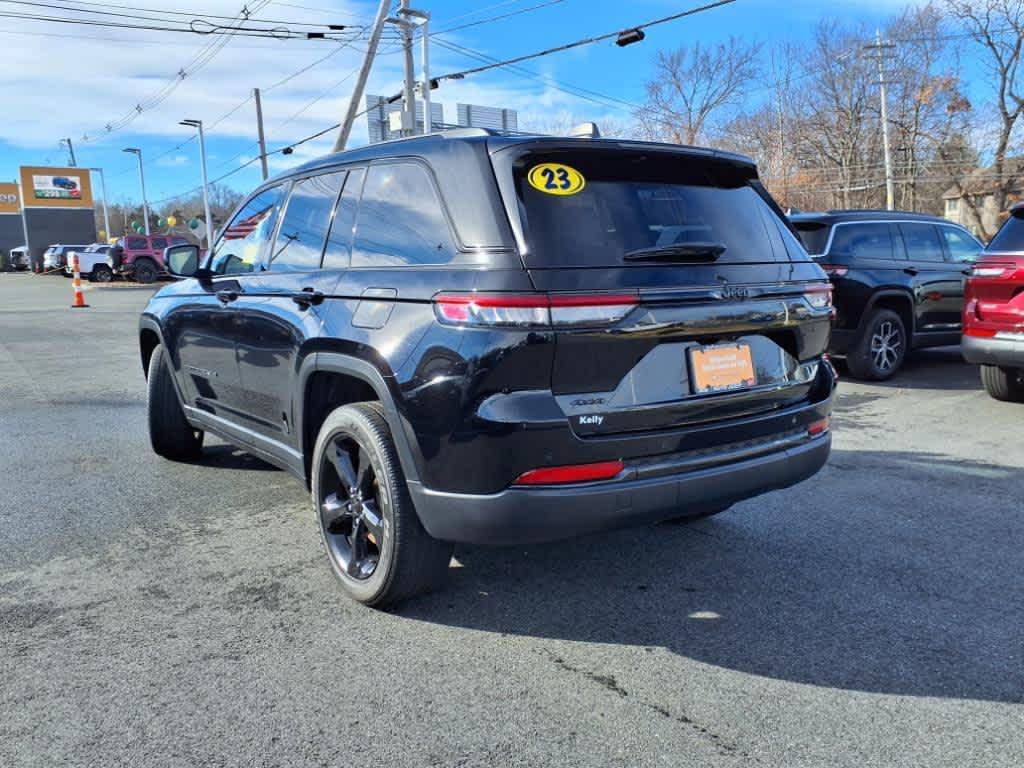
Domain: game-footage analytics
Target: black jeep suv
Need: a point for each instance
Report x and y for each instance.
(466, 337)
(899, 282)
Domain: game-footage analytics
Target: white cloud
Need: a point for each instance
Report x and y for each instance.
(101, 75)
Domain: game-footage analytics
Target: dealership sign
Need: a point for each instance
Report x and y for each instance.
(56, 187)
(9, 200)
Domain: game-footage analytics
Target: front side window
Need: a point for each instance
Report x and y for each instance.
(863, 241)
(307, 217)
(159, 243)
(136, 244)
(922, 242)
(962, 247)
(401, 221)
(244, 241)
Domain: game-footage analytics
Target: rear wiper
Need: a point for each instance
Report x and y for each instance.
(697, 251)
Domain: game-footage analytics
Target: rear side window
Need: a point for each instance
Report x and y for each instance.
(136, 244)
(813, 235)
(922, 242)
(631, 201)
(307, 217)
(1010, 236)
(962, 247)
(863, 241)
(339, 242)
(401, 221)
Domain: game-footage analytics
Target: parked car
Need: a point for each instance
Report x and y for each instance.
(19, 258)
(994, 311)
(92, 263)
(467, 337)
(898, 281)
(56, 256)
(141, 258)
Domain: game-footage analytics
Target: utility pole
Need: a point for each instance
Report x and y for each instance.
(880, 51)
(71, 151)
(106, 213)
(259, 132)
(422, 20)
(364, 73)
(408, 97)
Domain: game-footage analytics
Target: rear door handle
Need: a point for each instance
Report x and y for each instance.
(910, 271)
(307, 297)
(226, 297)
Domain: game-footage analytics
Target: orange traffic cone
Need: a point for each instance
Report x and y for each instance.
(76, 284)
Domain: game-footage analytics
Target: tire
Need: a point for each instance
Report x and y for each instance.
(169, 433)
(1005, 384)
(101, 274)
(881, 350)
(145, 271)
(381, 554)
(684, 519)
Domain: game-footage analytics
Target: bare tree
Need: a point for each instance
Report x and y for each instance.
(926, 107)
(997, 27)
(692, 85)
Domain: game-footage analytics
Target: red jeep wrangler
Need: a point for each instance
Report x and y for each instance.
(141, 258)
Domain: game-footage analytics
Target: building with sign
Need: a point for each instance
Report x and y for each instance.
(12, 234)
(57, 207)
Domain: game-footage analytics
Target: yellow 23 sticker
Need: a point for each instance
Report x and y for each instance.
(556, 179)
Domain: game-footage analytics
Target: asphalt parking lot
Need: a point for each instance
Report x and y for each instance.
(161, 614)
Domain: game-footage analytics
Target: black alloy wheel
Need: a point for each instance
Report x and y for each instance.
(375, 543)
(354, 527)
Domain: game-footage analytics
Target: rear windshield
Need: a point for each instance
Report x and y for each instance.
(590, 209)
(1010, 237)
(814, 236)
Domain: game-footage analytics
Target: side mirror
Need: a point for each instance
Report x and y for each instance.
(182, 260)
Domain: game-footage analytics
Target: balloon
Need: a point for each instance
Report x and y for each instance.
(193, 224)
(161, 222)
(172, 221)
(133, 224)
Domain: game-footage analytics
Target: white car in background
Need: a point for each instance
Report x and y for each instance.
(56, 256)
(92, 263)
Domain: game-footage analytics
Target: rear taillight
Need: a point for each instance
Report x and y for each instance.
(818, 427)
(819, 296)
(573, 473)
(991, 271)
(834, 270)
(532, 309)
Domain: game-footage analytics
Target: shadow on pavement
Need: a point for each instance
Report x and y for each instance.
(229, 457)
(893, 589)
(938, 368)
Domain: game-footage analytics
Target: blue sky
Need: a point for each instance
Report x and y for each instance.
(61, 80)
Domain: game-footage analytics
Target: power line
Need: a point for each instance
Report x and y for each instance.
(75, 6)
(584, 41)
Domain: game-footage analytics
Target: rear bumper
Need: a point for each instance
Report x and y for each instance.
(1005, 352)
(649, 492)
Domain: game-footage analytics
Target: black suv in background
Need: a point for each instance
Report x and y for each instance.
(466, 337)
(898, 281)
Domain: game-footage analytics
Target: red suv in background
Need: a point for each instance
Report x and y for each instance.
(994, 311)
(141, 258)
